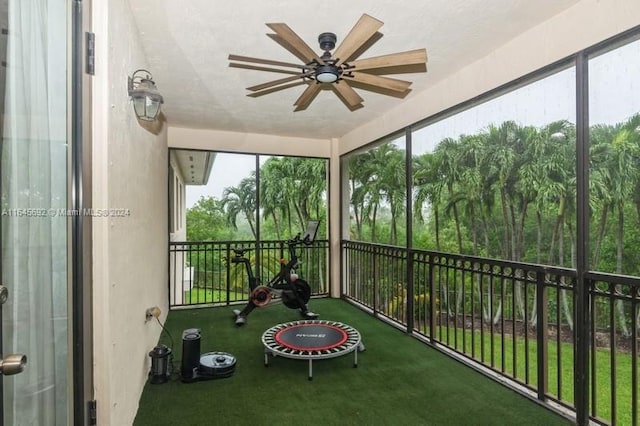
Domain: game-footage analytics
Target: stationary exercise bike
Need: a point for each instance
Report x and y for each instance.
(292, 290)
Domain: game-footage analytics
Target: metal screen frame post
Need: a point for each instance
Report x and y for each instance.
(582, 305)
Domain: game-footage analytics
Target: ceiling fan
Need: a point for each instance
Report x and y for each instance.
(340, 70)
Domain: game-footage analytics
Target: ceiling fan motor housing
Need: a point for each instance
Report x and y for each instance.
(327, 41)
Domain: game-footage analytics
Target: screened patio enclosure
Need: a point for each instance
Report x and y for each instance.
(502, 232)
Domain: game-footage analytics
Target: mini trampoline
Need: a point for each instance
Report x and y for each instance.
(311, 339)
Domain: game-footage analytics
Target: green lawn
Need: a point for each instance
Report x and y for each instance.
(560, 365)
(560, 368)
(399, 380)
(206, 295)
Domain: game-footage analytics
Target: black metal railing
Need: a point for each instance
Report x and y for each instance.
(200, 272)
(615, 309)
(515, 320)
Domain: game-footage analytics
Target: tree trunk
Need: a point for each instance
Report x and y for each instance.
(373, 223)
(277, 224)
(458, 231)
(505, 219)
(437, 223)
(474, 231)
(622, 320)
(598, 245)
(534, 307)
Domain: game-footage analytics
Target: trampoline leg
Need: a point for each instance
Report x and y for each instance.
(310, 369)
(266, 358)
(355, 359)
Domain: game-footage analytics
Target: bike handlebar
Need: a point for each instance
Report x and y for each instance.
(241, 251)
(297, 240)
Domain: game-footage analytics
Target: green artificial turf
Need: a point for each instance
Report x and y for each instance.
(399, 380)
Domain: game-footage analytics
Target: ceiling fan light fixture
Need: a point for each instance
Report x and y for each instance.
(327, 73)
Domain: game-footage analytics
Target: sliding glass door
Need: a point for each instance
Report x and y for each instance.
(34, 186)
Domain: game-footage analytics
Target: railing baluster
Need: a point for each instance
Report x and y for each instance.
(634, 357)
(593, 376)
(612, 352)
(541, 334)
(432, 300)
(464, 309)
(410, 292)
(225, 271)
(525, 327)
(558, 341)
(514, 311)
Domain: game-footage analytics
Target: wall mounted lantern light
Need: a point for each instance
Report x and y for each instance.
(145, 95)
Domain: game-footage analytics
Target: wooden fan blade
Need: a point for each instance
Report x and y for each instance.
(277, 82)
(307, 96)
(253, 67)
(263, 61)
(351, 107)
(379, 90)
(362, 31)
(379, 81)
(283, 43)
(411, 57)
(276, 89)
(372, 40)
(347, 93)
(398, 69)
(295, 42)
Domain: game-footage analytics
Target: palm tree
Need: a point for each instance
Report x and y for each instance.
(622, 165)
(370, 185)
(501, 157)
(548, 169)
(473, 188)
(391, 183)
(600, 198)
(428, 187)
(447, 154)
(358, 178)
(241, 199)
(310, 188)
(477, 194)
(272, 198)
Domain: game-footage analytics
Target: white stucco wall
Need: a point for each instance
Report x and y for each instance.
(217, 140)
(129, 253)
(178, 201)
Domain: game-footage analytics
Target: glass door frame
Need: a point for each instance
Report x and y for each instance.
(80, 246)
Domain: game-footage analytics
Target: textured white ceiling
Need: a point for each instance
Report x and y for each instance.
(187, 44)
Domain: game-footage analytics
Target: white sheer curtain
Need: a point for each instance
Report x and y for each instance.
(34, 231)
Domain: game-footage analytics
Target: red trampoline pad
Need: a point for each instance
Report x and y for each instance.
(311, 337)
